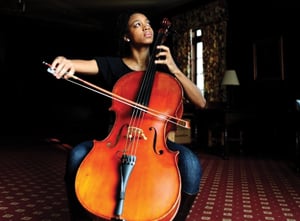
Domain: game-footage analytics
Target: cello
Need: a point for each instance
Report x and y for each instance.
(131, 174)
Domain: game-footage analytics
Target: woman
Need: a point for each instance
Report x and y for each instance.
(136, 37)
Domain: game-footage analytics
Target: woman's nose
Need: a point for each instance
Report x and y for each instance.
(146, 26)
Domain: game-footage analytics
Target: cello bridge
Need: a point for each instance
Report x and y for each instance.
(135, 132)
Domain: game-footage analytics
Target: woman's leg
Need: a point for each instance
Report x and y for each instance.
(77, 154)
(191, 173)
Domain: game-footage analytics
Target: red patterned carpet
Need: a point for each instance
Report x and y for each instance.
(31, 183)
(238, 189)
(244, 189)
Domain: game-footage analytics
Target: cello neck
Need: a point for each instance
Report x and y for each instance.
(147, 82)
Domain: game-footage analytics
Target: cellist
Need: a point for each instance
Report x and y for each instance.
(135, 39)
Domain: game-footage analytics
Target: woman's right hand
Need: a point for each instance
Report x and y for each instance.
(63, 67)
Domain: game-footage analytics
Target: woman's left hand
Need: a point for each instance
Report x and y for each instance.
(164, 56)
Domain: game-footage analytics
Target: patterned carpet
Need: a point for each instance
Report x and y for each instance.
(247, 189)
(238, 189)
(31, 183)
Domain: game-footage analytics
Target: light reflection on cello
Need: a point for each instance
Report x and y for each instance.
(134, 135)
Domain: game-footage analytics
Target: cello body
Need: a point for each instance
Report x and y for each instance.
(131, 175)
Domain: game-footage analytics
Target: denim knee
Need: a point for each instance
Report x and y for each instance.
(189, 167)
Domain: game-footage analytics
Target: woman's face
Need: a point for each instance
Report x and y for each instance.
(140, 31)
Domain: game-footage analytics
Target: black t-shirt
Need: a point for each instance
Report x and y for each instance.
(111, 69)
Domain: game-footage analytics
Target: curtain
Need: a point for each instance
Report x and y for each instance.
(212, 20)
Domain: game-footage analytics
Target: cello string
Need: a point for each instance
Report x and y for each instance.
(147, 82)
(144, 94)
(143, 98)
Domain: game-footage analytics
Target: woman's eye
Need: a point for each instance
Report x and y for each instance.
(137, 24)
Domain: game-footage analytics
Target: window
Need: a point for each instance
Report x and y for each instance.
(197, 50)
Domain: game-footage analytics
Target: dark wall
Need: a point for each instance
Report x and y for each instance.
(33, 102)
(269, 98)
(263, 22)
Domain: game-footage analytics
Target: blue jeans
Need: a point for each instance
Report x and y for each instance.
(188, 163)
